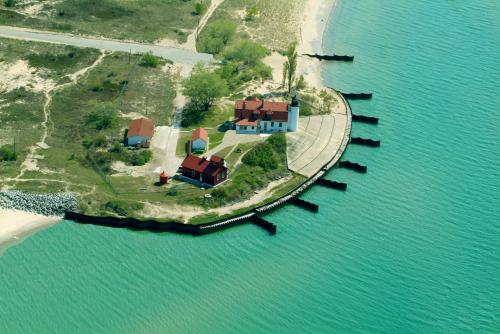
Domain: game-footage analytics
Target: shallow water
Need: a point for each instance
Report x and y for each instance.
(412, 246)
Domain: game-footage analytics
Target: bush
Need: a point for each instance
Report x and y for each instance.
(203, 87)
(9, 3)
(269, 154)
(105, 116)
(150, 60)
(199, 8)
(122, 208)
(7, 153)
(140, 158)
(246, 52)
(192, 115)
(216, 36)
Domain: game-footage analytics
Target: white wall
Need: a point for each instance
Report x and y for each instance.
(275, 127)
(249, 129)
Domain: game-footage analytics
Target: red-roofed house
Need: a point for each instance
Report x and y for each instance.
(259, 116)
(212, 172)
(199, 139)
(140, 132)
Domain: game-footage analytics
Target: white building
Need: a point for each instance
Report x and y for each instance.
(259, 116)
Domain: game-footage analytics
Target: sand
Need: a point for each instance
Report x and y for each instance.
(315, 20)
(17, 225)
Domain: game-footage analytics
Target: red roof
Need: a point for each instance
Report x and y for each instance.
(199, 133)
(260, 110)
(141, 127)
(203, 165)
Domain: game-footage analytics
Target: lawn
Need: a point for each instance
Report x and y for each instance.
(119, 19)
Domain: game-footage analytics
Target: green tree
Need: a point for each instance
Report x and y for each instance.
(199, 8)
(9, 3)
(7, 153)
(290, 67)
(216, 36)
(150, 60)
(203, 87)
(103, 117)
(246, 52)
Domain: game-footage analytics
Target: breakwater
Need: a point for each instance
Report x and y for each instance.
(331, 184)
(365, 141)
(357, 96)
(353, 166)
(364, 119)
(330, 57)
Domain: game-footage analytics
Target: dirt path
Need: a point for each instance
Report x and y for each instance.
(191, 40)
(30, 162)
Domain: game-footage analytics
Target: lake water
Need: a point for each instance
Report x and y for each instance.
(412, 247)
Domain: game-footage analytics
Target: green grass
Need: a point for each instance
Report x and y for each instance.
(275, 26)
(132, 19)
(215, 116)
(215, 139)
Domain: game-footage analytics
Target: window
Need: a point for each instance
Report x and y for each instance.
(281, 124)
(244, 127)
(265, 125)
(272, 124)
(193, 173)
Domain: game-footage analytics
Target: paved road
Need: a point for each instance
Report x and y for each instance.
(175, 54)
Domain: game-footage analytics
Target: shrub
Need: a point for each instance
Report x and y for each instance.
(7, 153)
(216, 36)
(246, 52)
(105, 116)
(140, 158)
(268, 154)
(150, 60)
(203, 87)
(9, 3)
(122, 208)
(199, 8)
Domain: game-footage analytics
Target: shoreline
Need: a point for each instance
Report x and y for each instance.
(16, 225)
(314, 24)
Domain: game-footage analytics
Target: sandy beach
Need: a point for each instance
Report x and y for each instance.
(17, 225)
(315, 20)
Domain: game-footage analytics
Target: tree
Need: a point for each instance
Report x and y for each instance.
(246, 52)
(7, 153)
(103, 117)
(291, 65)
(216, 36)
(150, 60)
(9, 3)
(199, 8)
(203, 87)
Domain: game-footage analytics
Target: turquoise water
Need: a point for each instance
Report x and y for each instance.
(412, 247)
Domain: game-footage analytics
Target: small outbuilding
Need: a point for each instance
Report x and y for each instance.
(199, 140)
(140, 132)
(210, 171)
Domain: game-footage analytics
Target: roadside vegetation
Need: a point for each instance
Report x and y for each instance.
(132, 19)
(271, 23)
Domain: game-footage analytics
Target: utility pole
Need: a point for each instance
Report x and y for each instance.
(129, 55)
(146, 105)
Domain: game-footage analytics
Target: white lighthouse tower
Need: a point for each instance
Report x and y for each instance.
(293, 115)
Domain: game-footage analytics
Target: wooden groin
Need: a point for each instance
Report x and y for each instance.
(261, 222)
(133, 223)
(357, 96)
(365, 119)
(353, 166)
(330, 57)
(304, 204)
(331, 184)
(364, 141)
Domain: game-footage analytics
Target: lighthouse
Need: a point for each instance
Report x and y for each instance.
(293, 115)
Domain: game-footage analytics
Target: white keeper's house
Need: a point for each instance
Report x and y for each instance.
(258, 116)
